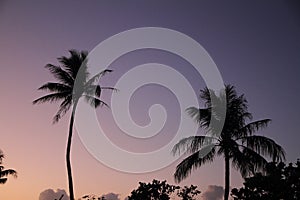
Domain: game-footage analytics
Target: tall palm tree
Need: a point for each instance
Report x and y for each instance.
(69, 91)
(236, 143)
(5, 172)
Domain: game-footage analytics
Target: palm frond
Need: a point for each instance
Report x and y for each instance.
(110, 88)
(192, 162)
(3, 180)
(252, 127)
(255, 159)
(56, 87)
(194, 113)
(240, 162)
(192, 144)
(95, 102)
(63, 109)
(201, 116)
(75, 62)
(96, 77)
(51, 97)
(60, 74)
(264, 146)
(83, 54)
(247, 161)
(95, 90)
(92, 90)
(4, 173)
(205, 95)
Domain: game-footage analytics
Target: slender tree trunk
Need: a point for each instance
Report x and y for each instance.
(227, 176)
(68, 160)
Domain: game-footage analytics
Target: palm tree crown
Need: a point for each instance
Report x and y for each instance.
(236, 143)
(73, 83)
(71, 87)
(5, 172)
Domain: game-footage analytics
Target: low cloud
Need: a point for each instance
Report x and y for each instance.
(213, 192)
(50, 194)
(111, 196)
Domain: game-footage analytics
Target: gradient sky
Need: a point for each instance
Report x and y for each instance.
(255, 45)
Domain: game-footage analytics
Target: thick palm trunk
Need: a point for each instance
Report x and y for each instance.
(227, 177)
(68, 159)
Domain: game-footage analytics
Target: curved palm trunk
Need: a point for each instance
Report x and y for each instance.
(68, 150)
(227, 177)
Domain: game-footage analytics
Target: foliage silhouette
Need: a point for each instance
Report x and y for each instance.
(188, 193)
(280, 182)
(161, 190)
(236, 143)
(93, 197)
(5, 172)
(73, 83)
(153, 191)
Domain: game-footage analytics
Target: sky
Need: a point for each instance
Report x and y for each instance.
(254, 44)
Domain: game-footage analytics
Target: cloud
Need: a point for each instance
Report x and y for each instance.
(50, 194)
(213, 192)
(111, 196)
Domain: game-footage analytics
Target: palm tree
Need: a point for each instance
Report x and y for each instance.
(69, 89)
(236, 143)
(5, 172)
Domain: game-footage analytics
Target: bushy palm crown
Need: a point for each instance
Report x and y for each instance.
(5, 172)
(73, 82)
(237, 139)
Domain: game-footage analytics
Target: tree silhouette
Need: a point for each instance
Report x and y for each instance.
(236, 143)
(188, 193)
(5, 172)
(161, 190)
(73, 83)
(280, 182)
(156, 190)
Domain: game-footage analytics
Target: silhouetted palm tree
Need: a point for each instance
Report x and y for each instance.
(5, 172)
(236, 143)
(66, 91)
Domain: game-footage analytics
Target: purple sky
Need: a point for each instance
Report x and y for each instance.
(255, 45)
